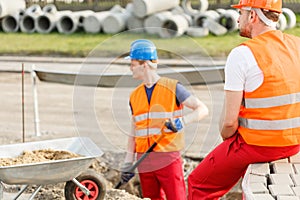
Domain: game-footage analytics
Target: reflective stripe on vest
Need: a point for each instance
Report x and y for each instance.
(270, 124)
(272, 101)
(158, 115)
(154, 131)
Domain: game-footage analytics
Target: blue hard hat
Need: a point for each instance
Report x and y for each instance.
(142, 50)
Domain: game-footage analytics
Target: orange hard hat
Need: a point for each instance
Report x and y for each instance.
(272, 5)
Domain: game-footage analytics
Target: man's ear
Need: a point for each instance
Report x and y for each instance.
(253, 15)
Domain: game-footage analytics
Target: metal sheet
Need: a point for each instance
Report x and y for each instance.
(187, 76)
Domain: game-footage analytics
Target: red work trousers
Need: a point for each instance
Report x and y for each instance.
(226, 164)
(165, 183)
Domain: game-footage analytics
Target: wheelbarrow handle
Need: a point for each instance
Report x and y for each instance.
(167, 123)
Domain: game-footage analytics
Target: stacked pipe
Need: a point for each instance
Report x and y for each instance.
(165, 18)
(69, 23)
(11, 13)
(46, 22)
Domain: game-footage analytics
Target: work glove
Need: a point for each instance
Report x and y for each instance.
(175, 124)
(126, 175)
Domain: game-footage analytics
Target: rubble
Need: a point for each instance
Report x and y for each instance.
(108, 166)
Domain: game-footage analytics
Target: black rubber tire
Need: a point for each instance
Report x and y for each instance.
(89, 175)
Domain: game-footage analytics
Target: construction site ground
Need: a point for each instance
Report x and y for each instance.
(104, 117)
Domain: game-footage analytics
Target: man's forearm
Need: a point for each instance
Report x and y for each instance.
(228, 130)
(130, 154)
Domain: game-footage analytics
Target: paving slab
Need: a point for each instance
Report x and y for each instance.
(281, 179)
(296, 179)
(295, 158)
(263, 197)
(277, 190)
(283, 168)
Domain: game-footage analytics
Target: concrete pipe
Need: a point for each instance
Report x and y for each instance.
(179, 11)
(214, 27)
(143, 8)
(115, 22)
(69, 23)
(93, 23)
(10, 7)
(35, 8)
(117, 9)
(153, 23)
(201, 17)
(50, 8)
(27, 22)
(174, 26)
(229, 20)
(282, 23)
(83, 14)
(187, 7)
(135, 24)
(290, 18)
(46, 22)
(220, 10)
(11, 23)
(197, 31)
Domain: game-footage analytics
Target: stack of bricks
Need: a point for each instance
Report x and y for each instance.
(278, 180)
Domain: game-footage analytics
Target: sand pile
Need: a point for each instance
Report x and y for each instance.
(36, 156)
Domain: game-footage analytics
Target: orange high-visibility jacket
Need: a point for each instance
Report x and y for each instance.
(270, 115)
(149, 118)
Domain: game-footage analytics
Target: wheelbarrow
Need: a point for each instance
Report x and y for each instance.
(81, 183)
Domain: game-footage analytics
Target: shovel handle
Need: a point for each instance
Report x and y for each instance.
(167, 123)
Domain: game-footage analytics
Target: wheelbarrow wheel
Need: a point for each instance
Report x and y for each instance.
(94, 182)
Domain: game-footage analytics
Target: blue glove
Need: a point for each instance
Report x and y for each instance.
(126, 175)
(175, 124)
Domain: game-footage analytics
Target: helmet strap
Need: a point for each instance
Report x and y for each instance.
(264, 19)
(151, 64)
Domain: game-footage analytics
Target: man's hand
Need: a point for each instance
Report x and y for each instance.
(175, 124)
(126, 174)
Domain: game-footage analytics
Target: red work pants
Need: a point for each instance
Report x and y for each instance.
(226, 164)
(165, 183)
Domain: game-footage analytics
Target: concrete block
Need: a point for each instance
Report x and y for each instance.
(253, 178)
(277, 190)
(283, 168)
(296, 190)
(281, 179)
(259, 188)
(297, 168)
(287, 198)
(295, 158)
(296, 179)
(260, 168)
(285, 160)
(263, 197)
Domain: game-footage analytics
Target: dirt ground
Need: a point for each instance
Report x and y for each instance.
(103, 118)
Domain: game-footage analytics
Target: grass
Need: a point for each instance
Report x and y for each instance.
(82, 44)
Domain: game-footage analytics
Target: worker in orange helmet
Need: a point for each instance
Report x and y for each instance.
(154, 101)
(261, 115)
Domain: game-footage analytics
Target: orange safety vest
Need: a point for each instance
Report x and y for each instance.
(270, 115)
(149, 118)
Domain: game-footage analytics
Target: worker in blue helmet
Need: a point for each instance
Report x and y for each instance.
(154, 101)
(143, 50)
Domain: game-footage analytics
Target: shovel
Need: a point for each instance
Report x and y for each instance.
(168, 123)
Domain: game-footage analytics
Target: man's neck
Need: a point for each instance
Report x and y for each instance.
(150, 80)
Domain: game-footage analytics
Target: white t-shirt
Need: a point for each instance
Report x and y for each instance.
(241, 71)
